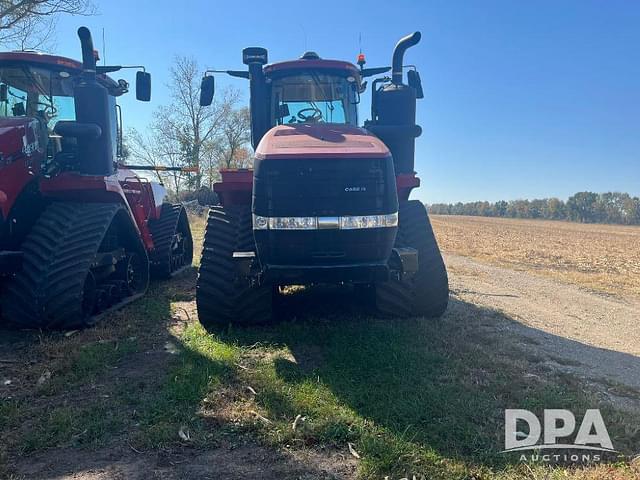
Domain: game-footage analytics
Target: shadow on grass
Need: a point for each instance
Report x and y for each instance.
(428, 393)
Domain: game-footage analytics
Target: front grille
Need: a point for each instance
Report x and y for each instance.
(324, 187)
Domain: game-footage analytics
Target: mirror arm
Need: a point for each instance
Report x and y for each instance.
(369, 72)
(117, 68)
(231, 73)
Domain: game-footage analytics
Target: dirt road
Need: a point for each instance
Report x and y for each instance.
(593, 335)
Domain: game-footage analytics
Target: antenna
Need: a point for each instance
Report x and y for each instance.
(361, 60)
(304, 33)
(104, 49)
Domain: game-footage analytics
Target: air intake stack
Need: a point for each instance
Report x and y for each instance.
(394, 111)
(95, 152)
(255, 58)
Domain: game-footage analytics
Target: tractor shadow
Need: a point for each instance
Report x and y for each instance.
(438, 384)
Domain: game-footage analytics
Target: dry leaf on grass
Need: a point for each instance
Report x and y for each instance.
(260, 417)
(299, 418)
(184, 434)
(352, 450)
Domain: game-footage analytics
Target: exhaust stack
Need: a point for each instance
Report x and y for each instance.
(88, 55)
(398, 55)
(96, 147)
(393, 111)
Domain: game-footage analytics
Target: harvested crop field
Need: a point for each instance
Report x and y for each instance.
(604, 258)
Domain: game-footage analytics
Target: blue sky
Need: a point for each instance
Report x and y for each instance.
(523, 99)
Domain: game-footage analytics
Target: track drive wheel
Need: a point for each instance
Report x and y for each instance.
(72, 256)
(224, 296)
(426, 293)
(173, 242)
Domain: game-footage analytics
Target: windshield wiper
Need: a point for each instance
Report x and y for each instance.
(316, 79)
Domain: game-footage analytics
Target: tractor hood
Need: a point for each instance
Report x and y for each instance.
(18, 138)
(322, 140)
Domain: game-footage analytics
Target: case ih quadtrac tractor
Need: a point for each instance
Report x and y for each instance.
(327, 201)
(79, 234)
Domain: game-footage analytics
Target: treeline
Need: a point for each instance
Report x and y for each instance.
(585, 207)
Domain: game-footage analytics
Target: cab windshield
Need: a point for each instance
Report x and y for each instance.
(313, 97)
(37, 92)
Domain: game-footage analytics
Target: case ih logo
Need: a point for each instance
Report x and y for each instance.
(558, 424)
(355, 189)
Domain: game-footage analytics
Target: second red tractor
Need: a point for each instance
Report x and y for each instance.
(80, 233)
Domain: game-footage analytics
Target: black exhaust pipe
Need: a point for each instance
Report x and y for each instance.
(398, 55)
(94, 116)
(255, 58)
(88, 55)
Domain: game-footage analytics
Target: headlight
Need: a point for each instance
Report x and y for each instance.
(369, 221)
(293, 223)
(348, 222)
(260, 223)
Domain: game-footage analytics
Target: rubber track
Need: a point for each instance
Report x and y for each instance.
(427, 292)
(58, 252)
(162, 231)
(221, 296)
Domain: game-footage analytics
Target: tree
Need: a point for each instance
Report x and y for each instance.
(183, 133)
(191, 128)
(156, 150)
(236, 134)
(609, 207)
(29, 24)
(555, 209)
(581, 207)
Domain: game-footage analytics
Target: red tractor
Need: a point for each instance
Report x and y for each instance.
(327, 200)
(79, 233)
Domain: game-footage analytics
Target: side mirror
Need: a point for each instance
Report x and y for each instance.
(207, 89)
(18, 110)
(143, 86)
(413, 78)
(4, 93)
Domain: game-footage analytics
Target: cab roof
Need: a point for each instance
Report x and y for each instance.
(312, 63)
(55, 62)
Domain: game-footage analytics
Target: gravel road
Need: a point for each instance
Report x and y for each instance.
(589, 334)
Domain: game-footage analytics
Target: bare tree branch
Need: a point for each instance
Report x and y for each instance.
(30, 23)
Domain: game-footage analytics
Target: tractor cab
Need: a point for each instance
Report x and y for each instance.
(36, 92)
(41, 96)
(312, 90)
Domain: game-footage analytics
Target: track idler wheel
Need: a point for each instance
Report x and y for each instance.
(131, 272)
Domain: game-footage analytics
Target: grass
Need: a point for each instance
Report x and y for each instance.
(604, 258)
(415, 397)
